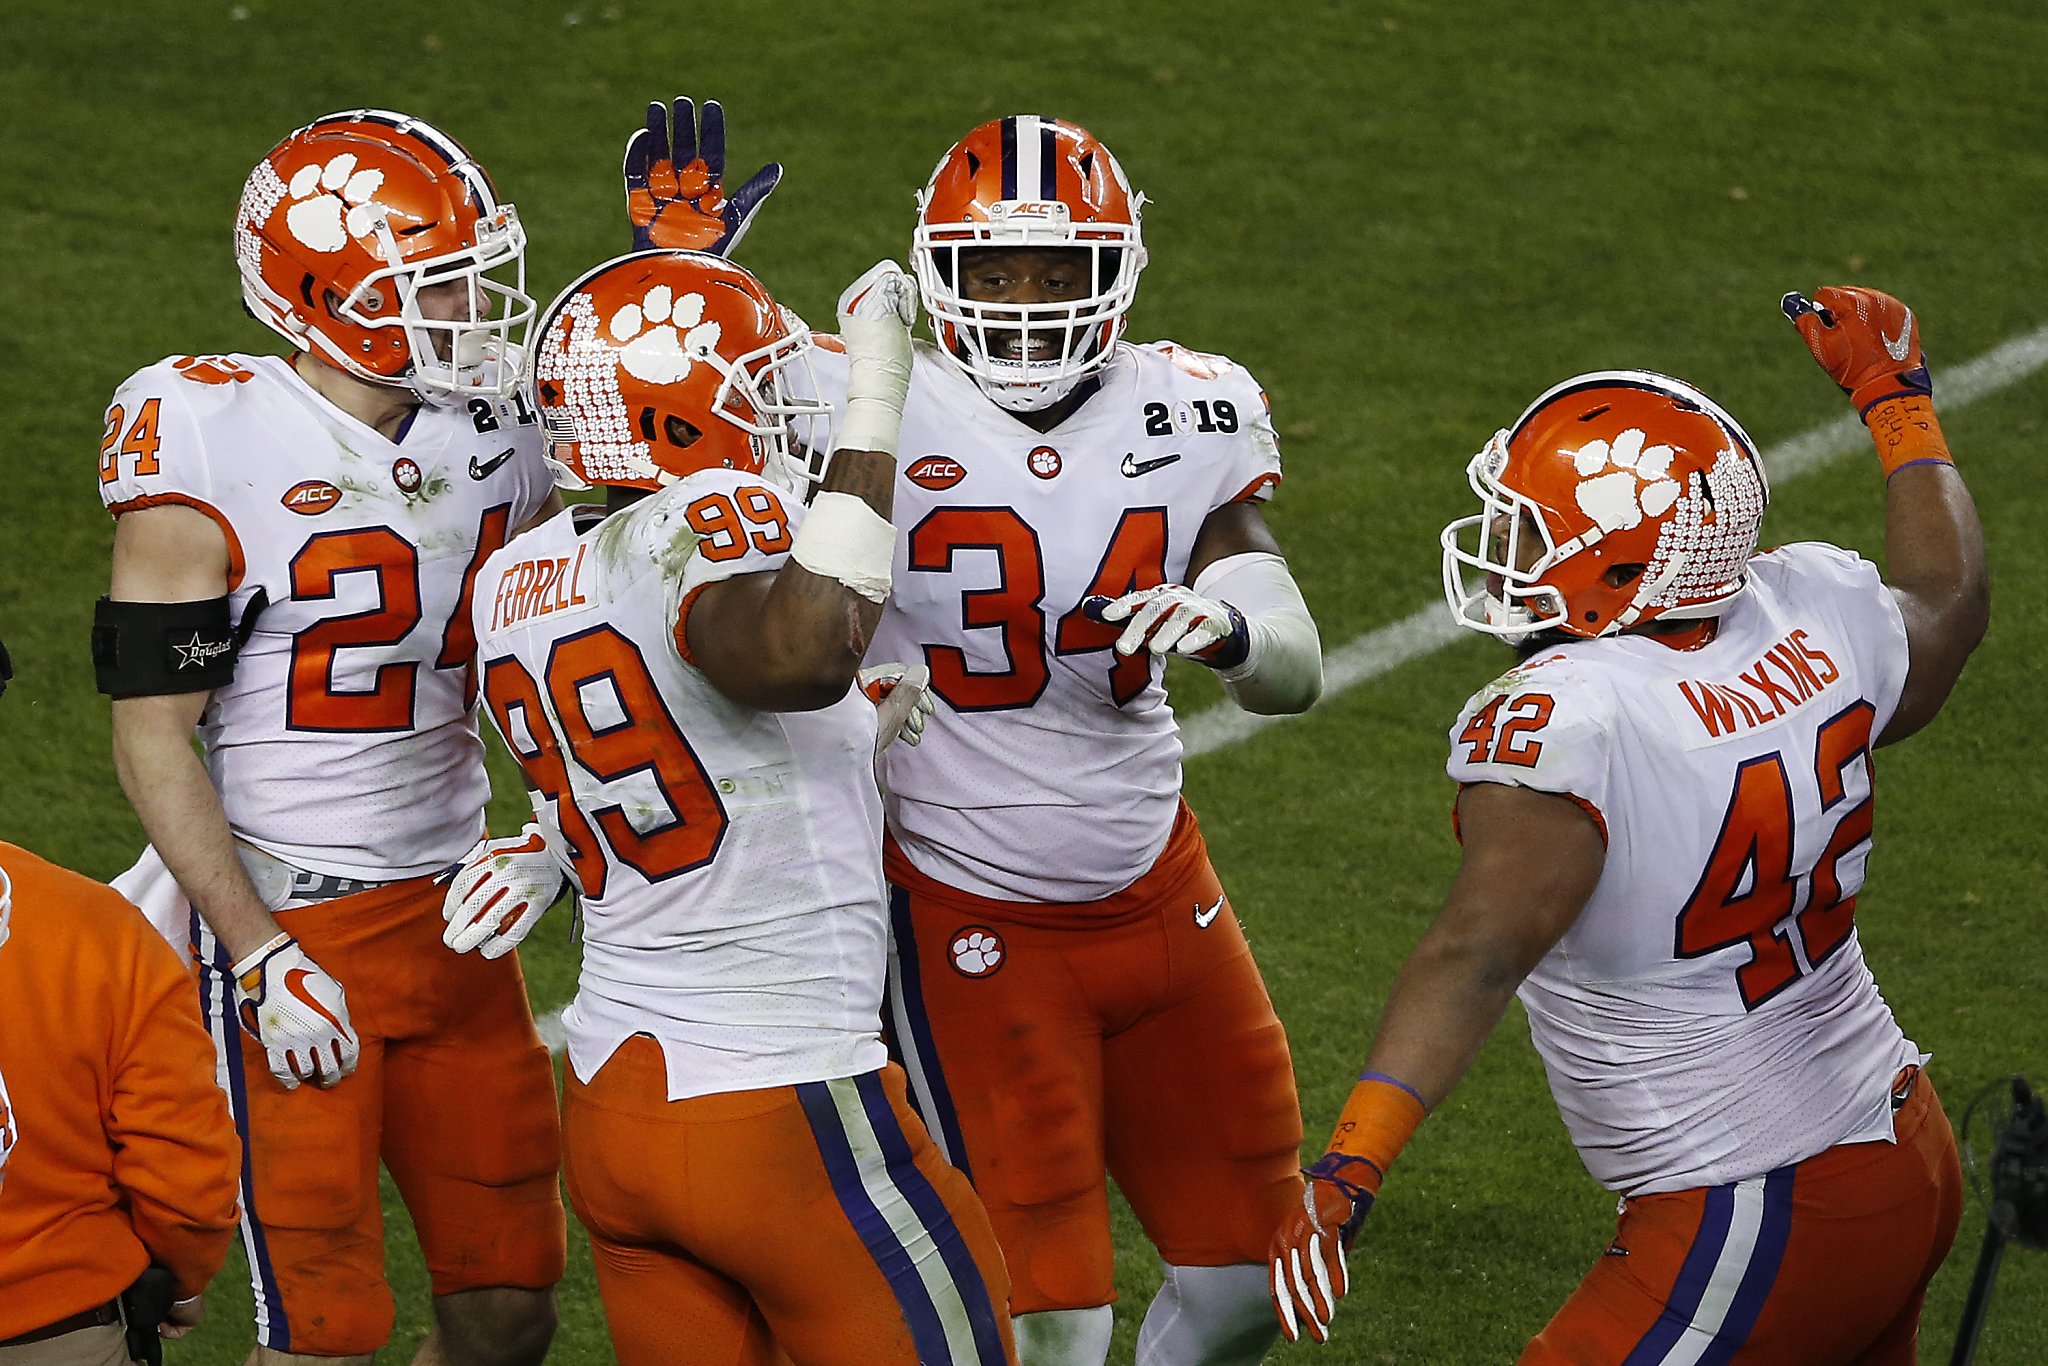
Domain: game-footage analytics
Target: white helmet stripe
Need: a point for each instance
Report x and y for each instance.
(1030, 159)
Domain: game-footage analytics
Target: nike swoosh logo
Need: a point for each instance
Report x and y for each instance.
(294, 982)
(1133, 467)
(1203, 918)
(480, 470)
(1896, 346)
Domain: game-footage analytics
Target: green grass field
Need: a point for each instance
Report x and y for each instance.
(1407, 218)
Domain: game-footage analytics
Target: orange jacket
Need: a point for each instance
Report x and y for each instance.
(125, 1152)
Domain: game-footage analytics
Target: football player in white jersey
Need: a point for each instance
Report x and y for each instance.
(1666, 812)
(676, 680)
(293, 553)
(1071, 992)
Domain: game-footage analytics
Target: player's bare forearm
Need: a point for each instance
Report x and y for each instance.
(868, 475)
(793, 640)
(1233, 529)
(1935, 564)
(181, 813)
(1531, 861)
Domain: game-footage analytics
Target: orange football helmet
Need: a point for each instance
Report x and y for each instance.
(1026, 181)
(662, 363)
(1611, 471)
(348, 219)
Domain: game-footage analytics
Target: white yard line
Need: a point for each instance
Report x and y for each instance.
(1430, 628)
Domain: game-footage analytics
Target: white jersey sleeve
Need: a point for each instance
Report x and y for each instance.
(153, 449)
(1545, 726)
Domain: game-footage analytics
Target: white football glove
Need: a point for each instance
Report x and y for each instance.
(903, 702)
(500, 890)
(875, 314)
(298, 1013)
(1170, 617)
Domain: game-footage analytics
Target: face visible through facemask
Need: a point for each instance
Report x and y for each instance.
(1026, 275)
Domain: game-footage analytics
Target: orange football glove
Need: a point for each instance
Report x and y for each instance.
(1867, 341)
(1307, 1252)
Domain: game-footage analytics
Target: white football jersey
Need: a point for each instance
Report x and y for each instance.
(347, 741)
(729, 859)
(1709, 1017)
(1052, 772)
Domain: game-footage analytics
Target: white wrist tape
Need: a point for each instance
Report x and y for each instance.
(1283, 671)
(877, 382)
(843, 538)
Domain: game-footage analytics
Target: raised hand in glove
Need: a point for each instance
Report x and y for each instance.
(875, 314)
(298, 1013)
(499, 891)
(1171, 617)
(1307, 1252)
(1868, 342)
(675, 191)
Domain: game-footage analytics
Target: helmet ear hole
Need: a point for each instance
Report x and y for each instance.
(1622, 575)
(679, 433)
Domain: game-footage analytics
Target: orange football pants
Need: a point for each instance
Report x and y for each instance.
(1822, 1263)
(1047, 1044)
(455, 1093)
(814, 1223)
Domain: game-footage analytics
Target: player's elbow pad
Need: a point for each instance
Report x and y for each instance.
(1283, 671)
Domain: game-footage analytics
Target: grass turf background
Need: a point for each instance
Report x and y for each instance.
(1406, 218)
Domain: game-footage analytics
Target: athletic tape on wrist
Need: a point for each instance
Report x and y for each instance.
(843, 538)
(1905, 432)
(877, 383)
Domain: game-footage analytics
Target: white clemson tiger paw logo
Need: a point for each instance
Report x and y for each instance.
(333, 204)
(977, 952)
(676, 335)
(1622, 483)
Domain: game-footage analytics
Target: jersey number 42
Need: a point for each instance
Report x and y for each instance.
(1750, 889)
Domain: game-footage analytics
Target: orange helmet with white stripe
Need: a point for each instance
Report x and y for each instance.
(343, 225)
(1028, 181)
(1618, 498)
(662, 363)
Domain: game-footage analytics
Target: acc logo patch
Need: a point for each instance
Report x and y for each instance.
(311, 498)
(1043, 461)
(977, 951)
(406, 474)
(936, 472)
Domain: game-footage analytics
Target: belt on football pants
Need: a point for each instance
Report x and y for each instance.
(99, 1317)
(283, 886)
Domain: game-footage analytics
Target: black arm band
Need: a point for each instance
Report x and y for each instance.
(153, 649)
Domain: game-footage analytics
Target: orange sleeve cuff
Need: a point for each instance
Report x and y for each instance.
(1905, 432)
(1378, 1120)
